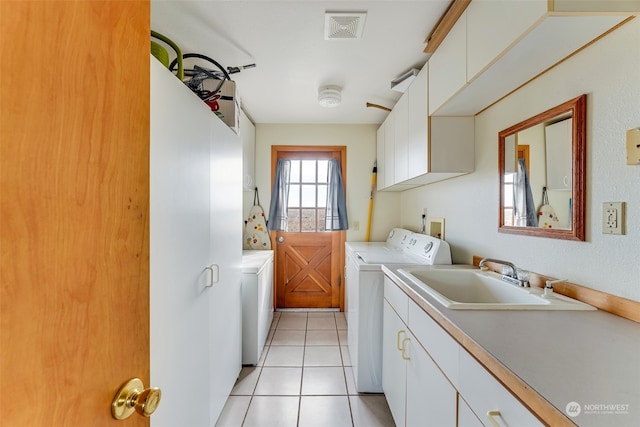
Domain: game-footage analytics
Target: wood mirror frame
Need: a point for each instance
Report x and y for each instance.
(576, 108)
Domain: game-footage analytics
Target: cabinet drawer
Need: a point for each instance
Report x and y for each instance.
(484, 393)
(398, 300)
(443, 349)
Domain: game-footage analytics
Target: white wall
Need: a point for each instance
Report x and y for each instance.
(609, 72)
(360, 141)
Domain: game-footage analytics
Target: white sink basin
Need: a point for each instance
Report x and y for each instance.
(472, 289)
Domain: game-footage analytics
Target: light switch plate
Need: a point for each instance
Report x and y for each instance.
(633, 146)
(613, 218)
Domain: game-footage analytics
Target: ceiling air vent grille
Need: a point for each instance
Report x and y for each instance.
(343, 26)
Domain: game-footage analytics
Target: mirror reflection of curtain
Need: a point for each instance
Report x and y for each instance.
(336, 217)
(280, 196)
(525, 210)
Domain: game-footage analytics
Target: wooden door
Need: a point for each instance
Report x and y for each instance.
(309, 262)
(74, 209)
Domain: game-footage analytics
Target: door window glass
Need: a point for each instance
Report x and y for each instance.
(307, 195)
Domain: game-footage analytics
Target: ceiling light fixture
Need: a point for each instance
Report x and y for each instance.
(329, 96)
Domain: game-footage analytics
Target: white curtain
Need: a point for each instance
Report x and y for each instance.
(336, 218)
(280, 197)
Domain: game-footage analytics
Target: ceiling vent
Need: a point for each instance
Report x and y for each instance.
(343, 25)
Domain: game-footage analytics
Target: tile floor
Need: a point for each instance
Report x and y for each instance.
(304, 379)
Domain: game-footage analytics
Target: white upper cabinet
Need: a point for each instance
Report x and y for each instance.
(389, 149)
(418, 130)
(420, 150)
(401, 150)
(493, 26)
(448, 66)
(501, 45)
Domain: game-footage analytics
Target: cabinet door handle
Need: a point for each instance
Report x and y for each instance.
(404, 356)
(491, 415)
(398, 339)
(214, 276)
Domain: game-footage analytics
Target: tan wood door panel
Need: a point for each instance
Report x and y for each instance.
(74, 226)
(308, 270)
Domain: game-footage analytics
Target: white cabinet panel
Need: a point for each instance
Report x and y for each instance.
(425, 149)
(418, 133)
(401, 149)
(448, 66)
(452, 144)
(466, 417)
(431, 399)
(441, 346)
(179, 244)
(528, 56)
(394, 374)
(226, 251)
(484, 393)
(397, 298)
(195, 221)
(389, 149)
(493, 26)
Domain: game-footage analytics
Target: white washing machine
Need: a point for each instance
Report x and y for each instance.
(257, 302)
(365, 295)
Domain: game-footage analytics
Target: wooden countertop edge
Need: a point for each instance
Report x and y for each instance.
(613, 304)
(537, 404)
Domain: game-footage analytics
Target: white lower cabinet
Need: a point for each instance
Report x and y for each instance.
(466, 417)
(430, 380)
(394, 372)
(488, 399)
(431, 399)
(417, 391)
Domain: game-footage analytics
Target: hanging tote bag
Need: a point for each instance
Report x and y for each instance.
(547, 217)
(256, 234)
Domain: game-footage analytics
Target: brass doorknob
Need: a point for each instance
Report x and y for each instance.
(133, 397)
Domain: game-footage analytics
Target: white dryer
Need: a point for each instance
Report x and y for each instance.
(364, 289)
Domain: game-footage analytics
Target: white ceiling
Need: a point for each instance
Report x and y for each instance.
(286, 41)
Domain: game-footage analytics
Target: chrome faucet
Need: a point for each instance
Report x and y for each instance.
(511, 278)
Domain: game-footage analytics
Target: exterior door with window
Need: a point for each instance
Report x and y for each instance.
(309, 259)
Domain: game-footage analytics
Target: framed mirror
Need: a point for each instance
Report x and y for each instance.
(542, 170)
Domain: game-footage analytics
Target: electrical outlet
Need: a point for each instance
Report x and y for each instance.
(355, 225)
(613, 218)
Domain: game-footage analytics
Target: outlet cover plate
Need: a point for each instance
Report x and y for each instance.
(613, 218)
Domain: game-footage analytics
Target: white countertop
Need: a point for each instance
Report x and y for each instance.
(588, 357)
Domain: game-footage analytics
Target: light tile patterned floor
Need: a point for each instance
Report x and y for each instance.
(303, 379)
